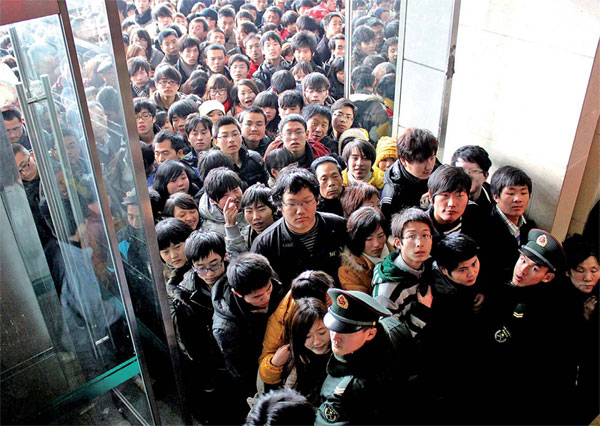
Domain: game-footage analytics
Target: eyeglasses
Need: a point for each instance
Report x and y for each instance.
(204, 271)
(302, 204)
(414, 238)
(167, 83)
(143, 116)
(214, 92)
(25, 166)
(296, 133)
(344, 116)
(231, 136)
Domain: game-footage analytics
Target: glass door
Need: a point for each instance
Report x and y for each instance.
(77, 273)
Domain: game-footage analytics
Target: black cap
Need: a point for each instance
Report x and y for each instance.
(544, 249)
(352, 310)
(130, 198)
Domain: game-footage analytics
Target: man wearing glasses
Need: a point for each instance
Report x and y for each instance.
(168, 80)
(303, 239)
(15, 128)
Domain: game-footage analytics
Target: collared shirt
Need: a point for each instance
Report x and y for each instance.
(515, 230)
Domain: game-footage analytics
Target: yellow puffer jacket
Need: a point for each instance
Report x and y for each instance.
(275, 337)
(376, 179)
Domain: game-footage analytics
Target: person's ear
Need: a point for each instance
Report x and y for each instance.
(403, 162)
(371, 333)
(496, 198)
(444, 270)
(397, 242)
(180, 153)
(237, 294)
(548, 277)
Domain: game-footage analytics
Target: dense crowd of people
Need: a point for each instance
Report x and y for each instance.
(303, 247)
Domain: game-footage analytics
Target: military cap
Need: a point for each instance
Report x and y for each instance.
(544, 249)
(352, 311)
(130, 198)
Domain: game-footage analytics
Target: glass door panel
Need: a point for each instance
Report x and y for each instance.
(93, 341)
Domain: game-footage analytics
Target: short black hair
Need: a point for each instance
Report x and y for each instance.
(416, 145)
(303, 66)
(281, 407)
(509, 176)
(288, 18)
(238, 57)
(181, 200)
(292, 117)
(304, 39)
(177, 141)
(331, 43)
(137, 63)
(144, 103)
(270, 35)
(258, 193)
(224, 121)
(219, 181)
(372, 61)
(167, 71)
(307, 23)
(316, 109)
(278, 159)
(577, 249)
(312, 284)
(411, 214)
(327, 19)
(283, 80)
(227, 12)
(265, 100)
(188, 41)
(386, 86)
(182, 109)
(361, 224)
(17, 148)
(171, 231)
(315, 80)
(361, 80)
(216, 46)
(212, 159)
(294, 180)
(473, 154)
(448, 179)
(388, 42)
(11, 114)
(162, 11)
(291, 98)
(193, 120)
(249, 272)
(254, 109)
(166, 33)
(201, 243)
(324, 159)
(454, 249)
(355, 195)
(363, 34)
(247, 28)
(366, 149)
(341, 103)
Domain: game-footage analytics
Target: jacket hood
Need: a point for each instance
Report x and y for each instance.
(387, 271)
(358, 264)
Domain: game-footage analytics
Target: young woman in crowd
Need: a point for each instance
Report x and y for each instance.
(171, 177)
(367, 246)
(183, 207)
(268, 102)
(218, 89)
(242, 96)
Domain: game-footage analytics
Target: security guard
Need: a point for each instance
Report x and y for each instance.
(526, 334)
(367, 373)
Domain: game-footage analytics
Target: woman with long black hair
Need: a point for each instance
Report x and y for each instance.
(173, 176)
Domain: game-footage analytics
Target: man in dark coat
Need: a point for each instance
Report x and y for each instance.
(405, 182)
(303, 238)
(525, 336)
(329, 175)
(242, 305)
(367, 375)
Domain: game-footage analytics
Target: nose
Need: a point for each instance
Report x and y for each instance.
(587, 276)
(255, 216)
(451, 201)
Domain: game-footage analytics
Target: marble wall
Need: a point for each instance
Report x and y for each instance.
(523, 69)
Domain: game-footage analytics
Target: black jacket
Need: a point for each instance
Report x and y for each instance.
(367, 386)
(240, 332)
(266, 71)
(331, 206)
(289, 257)
(401, 189)
(501, 249)
(262, 145)
(472, 223)
(253, 169)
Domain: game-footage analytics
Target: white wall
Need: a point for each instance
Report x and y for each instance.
(522, 72)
